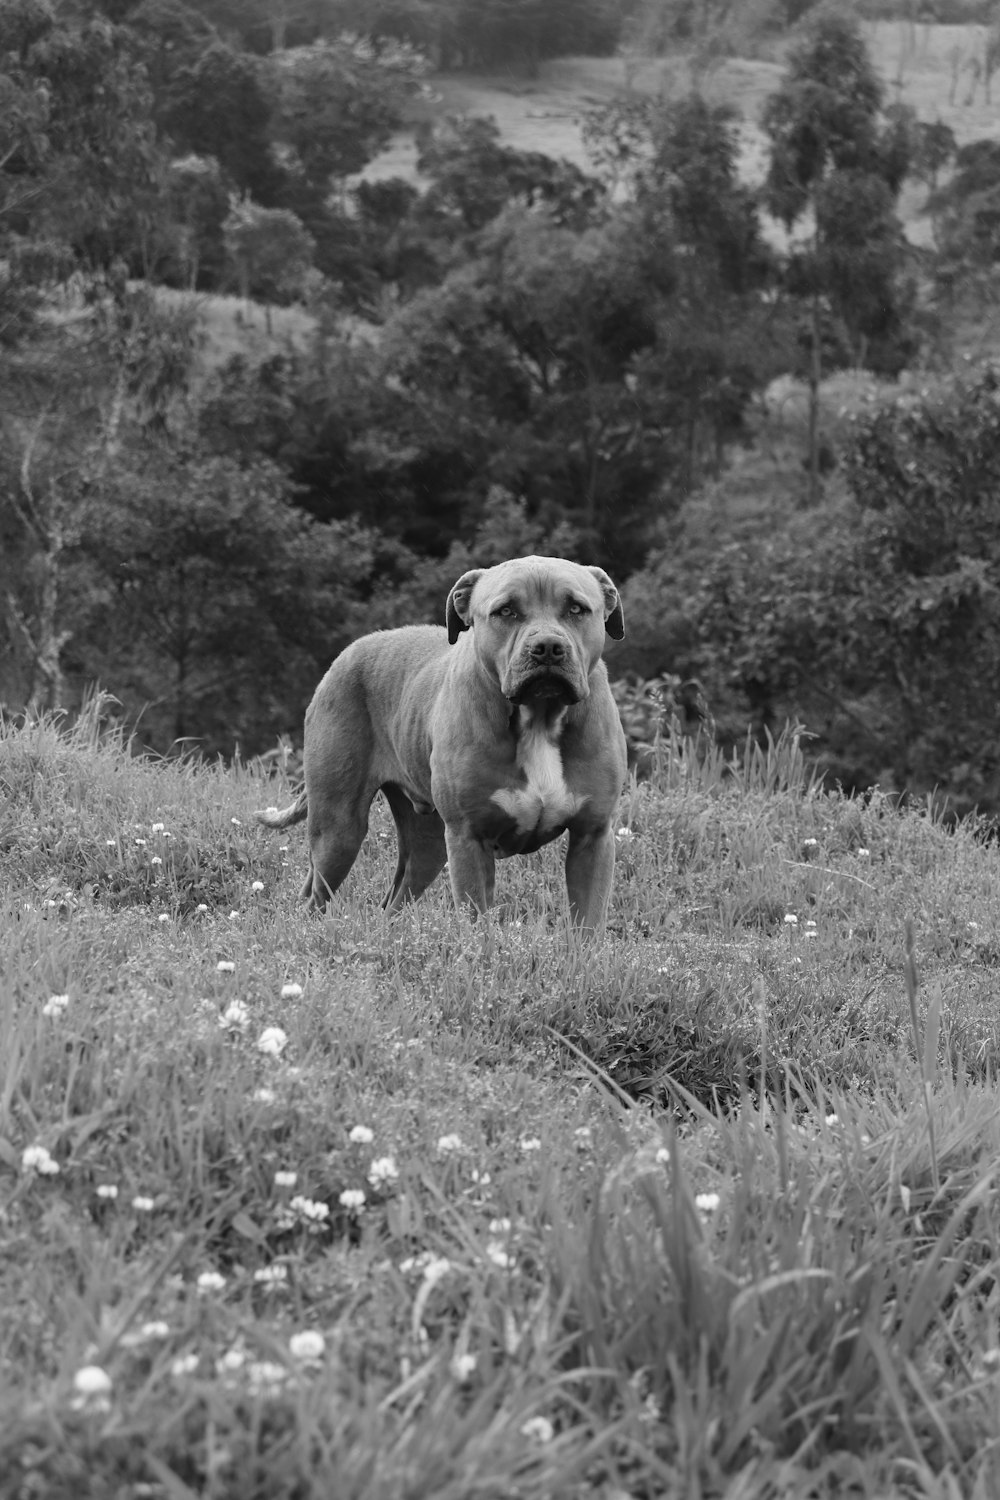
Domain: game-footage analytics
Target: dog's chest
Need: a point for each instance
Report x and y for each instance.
(542, 802)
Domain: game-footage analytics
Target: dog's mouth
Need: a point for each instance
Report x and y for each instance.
(544, 687)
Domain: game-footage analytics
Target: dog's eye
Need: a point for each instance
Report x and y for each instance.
(506, 611)
(577, 609)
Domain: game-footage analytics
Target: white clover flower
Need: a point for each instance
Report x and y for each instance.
(662, 1157)
(863, 853)
(352, 1199)
(291, 992)
(226, 966)
(202, 906)
(155, 1329)
(539, 1429)
(308, 1346)
(156, 860)
(530, 1143)
(236, 822)
(107, 1190)
(210, 1281)
(500, 1255)
(311, 1209)
(257, 885)
(276, 1275)
(265, 1376)
(235, 1017)
(707, 1203)
(810, 843)
(582, 1135)
(481, 1179)
(463, 1367)
(141, 843)
(234, 916)
(163, 917)
(500, 1226)
(791, 920)
(833, 1119)
(143, 1204)
(361, 1135)
(382, 1170)
(624, 833)
(156, 827)
(272, 1041)
(264, 1095)
(448, 1143)
(435, 1268)
(283, 1179)
(39, 1159)
(111, 843)
(55, 1005)
(231, 1362)
(91, 1389)
(184, 1364)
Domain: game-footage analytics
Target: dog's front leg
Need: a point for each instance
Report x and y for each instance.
(590, 868)
(471, 869)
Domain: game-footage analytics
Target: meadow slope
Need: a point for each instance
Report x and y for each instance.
(297, 1207)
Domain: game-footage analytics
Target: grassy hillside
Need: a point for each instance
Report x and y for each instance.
(301, 1206)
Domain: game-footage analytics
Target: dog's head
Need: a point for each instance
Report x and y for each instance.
(539, 624)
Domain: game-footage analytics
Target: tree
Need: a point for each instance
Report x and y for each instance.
(221, 598)
(270, 250)
(834, 162)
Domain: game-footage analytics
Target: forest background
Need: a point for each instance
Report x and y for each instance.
(292, 331)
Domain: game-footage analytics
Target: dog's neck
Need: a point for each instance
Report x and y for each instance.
(542, 720)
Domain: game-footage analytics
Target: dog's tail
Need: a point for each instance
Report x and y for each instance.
(284, 817)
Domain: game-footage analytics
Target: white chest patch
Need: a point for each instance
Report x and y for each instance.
(545, 801)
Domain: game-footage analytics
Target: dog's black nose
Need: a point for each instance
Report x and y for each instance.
(547, 651)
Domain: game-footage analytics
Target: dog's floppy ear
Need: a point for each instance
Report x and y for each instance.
(457, 612)
(614, 618)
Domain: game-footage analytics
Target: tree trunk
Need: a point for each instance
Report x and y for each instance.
(815, 376)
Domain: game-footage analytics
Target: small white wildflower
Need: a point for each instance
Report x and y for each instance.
(582, 1135)
(435, 1268)
(141, 843)
(448, 1143)
(210, 1281)
(499, 1255)
(310, 1208)
(272, 1041)
(481, 1179)
(236, 822)
(234, 916)
(308, 1346)
(184, 1364)
(231, 1362)
(163, 917)
(38, 1159)
(863, 853)
(810, 843)
(539, 1429)
(500, 1226)
(463, 1367)
(530, 1143)
(257, 885)
(291, 991)
(111, 843)
(662, 1157)
(283, 1179)
(706, 1203)
(55, 1005)
(624, 833)
(202, 906)
(226, 966)
(107, 1190)
(265, 1376)
(833, 1119)
(156, 1329)
(92, 1389)
(143, 1204)
(156, 860)
(382, 1170)
(361, 1135)
(235, 1017)
(276, 1275)
(352, 1199)
(264, 1095)
(791, 920)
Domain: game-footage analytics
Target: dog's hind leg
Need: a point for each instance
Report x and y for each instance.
(422, 852)
(333, 847)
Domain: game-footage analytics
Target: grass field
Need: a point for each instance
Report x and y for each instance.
(309, 1207)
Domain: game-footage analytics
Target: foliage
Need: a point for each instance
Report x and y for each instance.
(270, 250)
